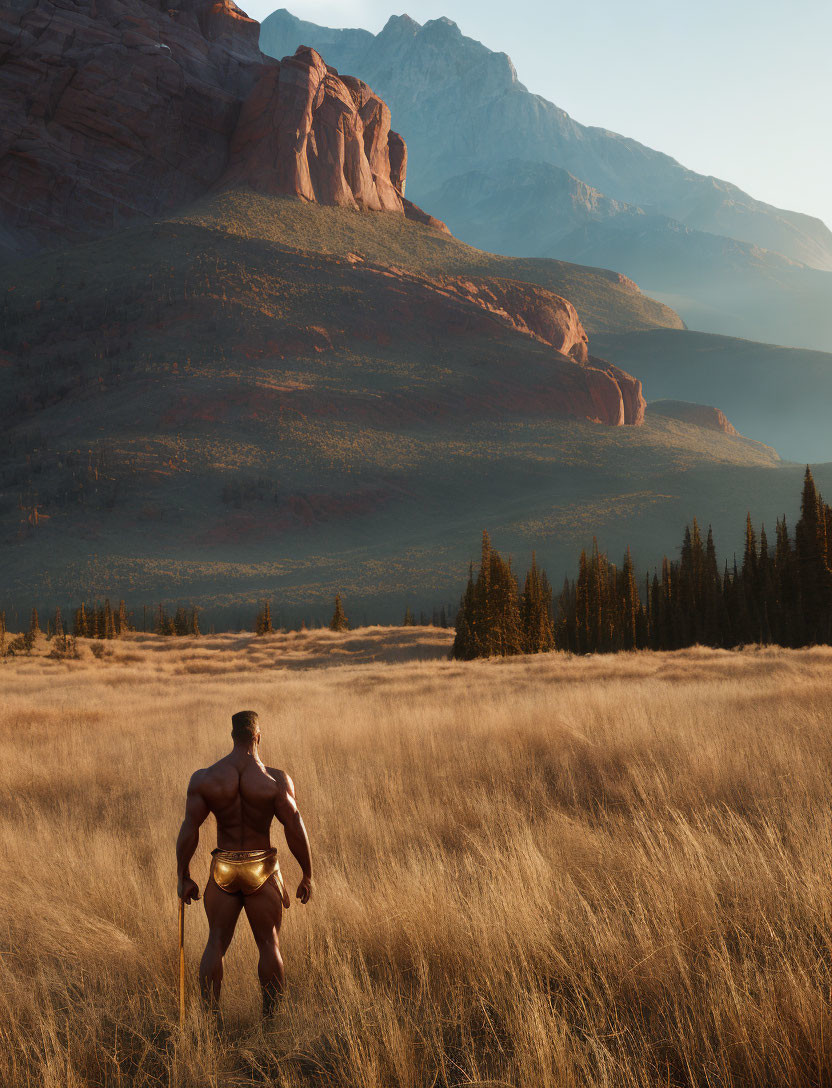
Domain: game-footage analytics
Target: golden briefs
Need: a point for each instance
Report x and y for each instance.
(247, 871)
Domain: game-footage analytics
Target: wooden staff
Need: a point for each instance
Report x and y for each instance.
(181, 963)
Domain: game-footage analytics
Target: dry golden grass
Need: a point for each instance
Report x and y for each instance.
(542, 872)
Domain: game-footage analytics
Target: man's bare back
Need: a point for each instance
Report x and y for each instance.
(244, 796)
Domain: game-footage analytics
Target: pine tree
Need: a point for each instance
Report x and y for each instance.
(79, 628)
(565, 623)
(34, 625)
(263, 624)
(713, 618)
(537, 635)
(488, 623)
(582, 618)
(339, 621)
(631, 610)
(181, 623)
(194, 622)
(164, 623)
(750, 610)
(813, 572)
(765, 589)
(409, 619)
(465, 639)
(122, 622)
(499, 614)
(109, 621)
(58, 625)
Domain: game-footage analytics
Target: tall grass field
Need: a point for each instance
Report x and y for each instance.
(545, 872)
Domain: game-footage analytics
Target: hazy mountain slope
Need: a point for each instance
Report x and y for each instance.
(781, 395)
(510, 172)
(458, 102)
(716, 282)
(233, 402)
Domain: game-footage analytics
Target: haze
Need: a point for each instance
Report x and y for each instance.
(740, 90)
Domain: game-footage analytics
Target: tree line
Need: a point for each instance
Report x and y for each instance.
(780, 593)
(101, 622)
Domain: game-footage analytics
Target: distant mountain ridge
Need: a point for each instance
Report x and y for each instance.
(468, 120)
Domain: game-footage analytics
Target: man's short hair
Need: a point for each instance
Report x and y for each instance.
(244, 725)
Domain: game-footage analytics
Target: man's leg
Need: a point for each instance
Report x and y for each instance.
(264, 910)
(223, 910)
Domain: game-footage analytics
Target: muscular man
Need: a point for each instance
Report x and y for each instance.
(244, 796)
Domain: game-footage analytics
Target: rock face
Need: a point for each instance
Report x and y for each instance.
(703, 415)
(306, 131)
(122, 108)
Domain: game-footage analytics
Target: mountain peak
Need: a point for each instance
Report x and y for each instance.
(402, 24)
(443, 23)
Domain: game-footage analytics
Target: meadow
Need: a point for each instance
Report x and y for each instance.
(547, 871)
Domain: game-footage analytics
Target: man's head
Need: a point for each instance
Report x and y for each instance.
(244, 727)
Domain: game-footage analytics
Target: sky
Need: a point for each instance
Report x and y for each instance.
(738, 89)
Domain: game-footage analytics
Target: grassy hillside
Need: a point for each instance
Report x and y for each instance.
(605, 300)
(195, 411)
(779, 395)
(551, 871)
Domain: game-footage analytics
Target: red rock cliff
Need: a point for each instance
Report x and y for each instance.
(113, 109)
(306, 131)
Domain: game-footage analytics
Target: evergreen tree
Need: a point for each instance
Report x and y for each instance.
(80, 625)
(566, 618)
(339, 621)
(582, 617)
(765, 589)
(194, 622)
(713, 610)
(631, 612)
(788, 612)
(537, 635)
(263, 625)
(164, 622)
(465, 639)
(409, 620)
(122, 622)
(813, 572)
(181, 623)
(34, 625)
(58, 625)
(109, 621)
(488, 623)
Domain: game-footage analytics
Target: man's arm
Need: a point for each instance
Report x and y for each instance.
(196, 812)
(286, 810)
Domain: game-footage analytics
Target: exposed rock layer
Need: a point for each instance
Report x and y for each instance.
(116, 109)
(703, 415)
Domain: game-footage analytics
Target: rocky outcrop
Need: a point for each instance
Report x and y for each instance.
(703, 415)
(119, 109)
(588, 388)
(308, 132)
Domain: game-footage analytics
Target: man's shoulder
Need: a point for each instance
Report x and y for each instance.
(283, 781)
(205, 775)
